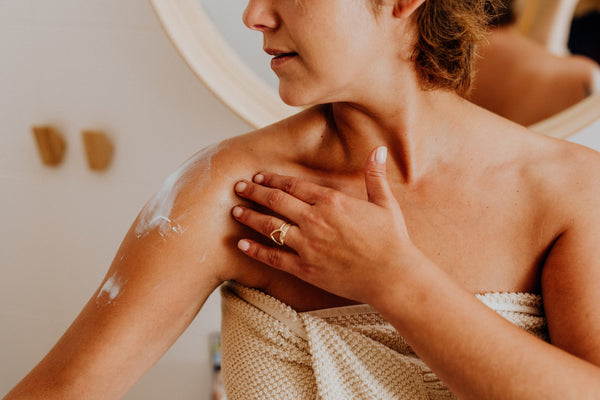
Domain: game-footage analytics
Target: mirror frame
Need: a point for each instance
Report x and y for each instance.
(212, 60)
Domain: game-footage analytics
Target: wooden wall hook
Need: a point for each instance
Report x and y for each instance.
(50, 144)
(99, 149)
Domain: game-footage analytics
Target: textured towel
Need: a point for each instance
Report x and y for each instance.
(270, 351)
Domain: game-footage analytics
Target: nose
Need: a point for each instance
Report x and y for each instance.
(259, 15)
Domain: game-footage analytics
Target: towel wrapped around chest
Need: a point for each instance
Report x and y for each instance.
(270, 351)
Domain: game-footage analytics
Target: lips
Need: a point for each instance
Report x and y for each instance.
(277, 53)
(280, 55)
(278, 62)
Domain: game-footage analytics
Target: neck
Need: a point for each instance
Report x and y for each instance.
(415, 131)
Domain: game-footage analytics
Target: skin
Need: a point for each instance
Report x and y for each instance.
(540, 83)
(475, 203)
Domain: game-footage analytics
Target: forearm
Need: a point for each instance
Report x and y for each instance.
(170, 261)
(477, 353)
(102, 355)
(122, 332)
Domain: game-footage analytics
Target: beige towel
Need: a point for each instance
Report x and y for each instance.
(270, 351)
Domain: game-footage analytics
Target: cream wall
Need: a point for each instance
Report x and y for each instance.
(100, 64)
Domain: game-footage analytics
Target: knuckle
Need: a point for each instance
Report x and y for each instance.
(267, 227)
(332, 197)
(305, 214)
(254, 252)
(317, 222)
(376, 173)
(274, 198)
(308, 270)
(312, 253)
(291, 185)
(274, 258)
(314, 219)
(308, 257)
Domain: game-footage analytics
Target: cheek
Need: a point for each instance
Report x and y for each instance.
(339, 69)
(331, 63)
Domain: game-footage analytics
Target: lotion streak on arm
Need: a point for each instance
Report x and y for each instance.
(157, 212)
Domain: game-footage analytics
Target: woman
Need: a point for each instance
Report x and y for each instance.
(487, 206)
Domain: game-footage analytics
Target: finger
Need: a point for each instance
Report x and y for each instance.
(271, 256)
(299, 188)
(266, 225)
(378, 189)
(274, 199)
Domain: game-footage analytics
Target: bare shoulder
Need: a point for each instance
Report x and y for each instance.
(568, 174)
(571, 269)
(190, 214)
(570, 165)
(206, 179)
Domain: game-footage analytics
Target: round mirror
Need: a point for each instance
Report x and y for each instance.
(227, 57)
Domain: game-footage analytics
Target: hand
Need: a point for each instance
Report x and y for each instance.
(344, 245)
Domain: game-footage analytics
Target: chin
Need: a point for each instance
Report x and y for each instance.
(297, 98)
(292, 99)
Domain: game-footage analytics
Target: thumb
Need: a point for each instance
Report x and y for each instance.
(378, 190)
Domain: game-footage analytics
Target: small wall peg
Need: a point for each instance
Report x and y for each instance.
(99, 150)
(50, 144)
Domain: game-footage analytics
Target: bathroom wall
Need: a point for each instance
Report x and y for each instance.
(93, 64)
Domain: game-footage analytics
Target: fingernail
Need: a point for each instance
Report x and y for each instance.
(243, 245)
(237, 211)
(381, 155)
(259, 178)
(241, 186)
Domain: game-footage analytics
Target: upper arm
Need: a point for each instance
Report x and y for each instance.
(571, 273)
(170, 261)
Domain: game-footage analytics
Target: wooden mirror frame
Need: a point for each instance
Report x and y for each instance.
(254, 101)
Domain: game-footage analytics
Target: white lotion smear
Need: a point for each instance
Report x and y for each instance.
(157, 212)
(111, 288)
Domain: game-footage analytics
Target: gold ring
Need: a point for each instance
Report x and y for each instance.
(282, 230)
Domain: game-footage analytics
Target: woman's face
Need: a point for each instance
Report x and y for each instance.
(323, 50)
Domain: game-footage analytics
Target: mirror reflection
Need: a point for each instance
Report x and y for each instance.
(523, 80)
(538, 60)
